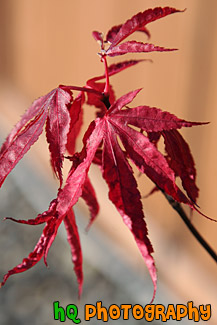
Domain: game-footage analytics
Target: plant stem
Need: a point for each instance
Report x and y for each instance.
(176, 206)
(88, 90)
(106, 89)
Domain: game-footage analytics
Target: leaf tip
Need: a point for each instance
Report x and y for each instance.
(80, 292)
(98, 36)
(45, 262)
(87, 228)
(154, 294)
(138, 90)
(202, 214)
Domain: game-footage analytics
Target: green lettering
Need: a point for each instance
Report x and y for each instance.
(59, 312)
(72, 313)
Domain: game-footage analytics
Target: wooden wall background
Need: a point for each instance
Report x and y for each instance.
(45, 43)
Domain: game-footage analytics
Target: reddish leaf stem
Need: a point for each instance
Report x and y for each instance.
(88, 90)
(106, 89)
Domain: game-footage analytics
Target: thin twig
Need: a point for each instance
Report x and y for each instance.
(176, 206)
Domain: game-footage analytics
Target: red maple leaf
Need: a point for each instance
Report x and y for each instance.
(110, 141)
(50, 109)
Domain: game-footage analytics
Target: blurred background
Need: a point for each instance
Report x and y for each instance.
(47, 43)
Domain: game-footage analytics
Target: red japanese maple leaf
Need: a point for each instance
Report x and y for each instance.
(110, 142)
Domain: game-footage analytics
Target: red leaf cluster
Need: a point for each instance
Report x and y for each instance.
(110, 142)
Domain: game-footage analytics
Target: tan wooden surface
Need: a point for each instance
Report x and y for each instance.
(45, 43)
